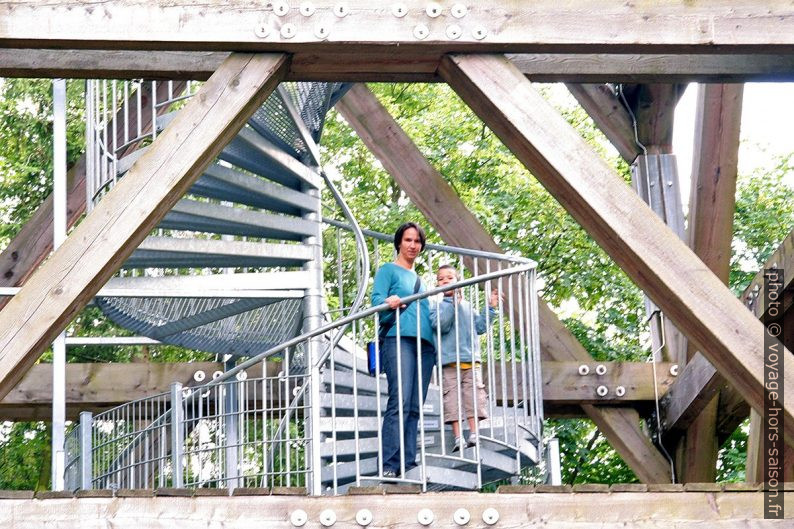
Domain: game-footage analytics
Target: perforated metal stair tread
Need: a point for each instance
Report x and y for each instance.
(254, 153)
(192, 215)
(242, 284)
(233, 185)
(162, 252)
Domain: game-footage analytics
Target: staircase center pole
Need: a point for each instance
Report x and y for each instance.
(312, 319)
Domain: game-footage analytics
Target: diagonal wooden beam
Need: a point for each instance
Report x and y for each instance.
(33, 243)
(458, 226)
(609, 115)
(669, 272)
(100, 244)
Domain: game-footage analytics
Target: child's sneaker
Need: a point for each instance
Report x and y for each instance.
(459, 443)
(472, 440)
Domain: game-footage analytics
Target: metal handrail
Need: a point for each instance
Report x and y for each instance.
(360, 315)
(466, 252)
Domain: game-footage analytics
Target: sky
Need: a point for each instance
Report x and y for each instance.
(767, 128)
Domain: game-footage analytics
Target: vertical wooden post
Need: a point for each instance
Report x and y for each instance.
(711, 208)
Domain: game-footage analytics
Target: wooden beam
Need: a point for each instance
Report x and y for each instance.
(540, 67)
(99, 245)
(369, 26)
(96, 387)
(33, 243)
(648, 68)
(515, 508)
(711, 209)
(609, 115)
(699, 381)
(675, 279)
(782, 258)
(458, 226)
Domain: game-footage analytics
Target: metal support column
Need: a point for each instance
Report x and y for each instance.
(655, 178)
(86, 451)
(59, 235)
(312, 318)
(177, 435)
(231, 420)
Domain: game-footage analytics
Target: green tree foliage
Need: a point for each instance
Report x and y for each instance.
(26, 146)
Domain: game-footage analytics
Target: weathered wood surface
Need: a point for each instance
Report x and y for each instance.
(539, 67)
(101, 243)
(457, 225)
(783, 258)
(499, 26)
(552, 510)
(609, 115)
(711, 210)
(96, 387)
(677, 281)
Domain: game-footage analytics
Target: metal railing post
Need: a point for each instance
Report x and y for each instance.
(177, 435)
(86, 450)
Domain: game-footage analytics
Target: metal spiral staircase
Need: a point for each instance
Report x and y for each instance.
(235, 269)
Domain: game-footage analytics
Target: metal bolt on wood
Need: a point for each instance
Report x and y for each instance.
(601, 370)
(425, 517)
(461, 516)
(280, 8)
(399, 10)
(199, 376)
(620, 391)
(459, 10)
(306, 9)
(433, 10)
(364, 517)
(321, 31)
(490, 516)
(341, 10)
(674, 370)
(298, 518)
(288, 31)
(328, 518)
(262, 29)
(602, 391)
(584, 369)
(454, 32)
(421, 31)
(479, 32)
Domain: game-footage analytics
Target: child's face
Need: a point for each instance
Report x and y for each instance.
(447, 276)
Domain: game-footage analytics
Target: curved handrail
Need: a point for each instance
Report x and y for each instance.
(468, 252)
(363, 314)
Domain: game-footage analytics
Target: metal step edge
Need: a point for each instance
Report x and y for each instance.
(192, 215)
(233, 185)
(167, 252)
(269, 161)
(370, 425)
(368, 403)
(191, 284)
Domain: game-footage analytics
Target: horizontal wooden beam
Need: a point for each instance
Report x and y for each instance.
(99, 386)
(588, 507)
(96, 387)
(647, 250)
(417, 67)
(370, 26)
(93, 252)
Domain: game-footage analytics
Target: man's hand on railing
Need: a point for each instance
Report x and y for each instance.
(493, 301)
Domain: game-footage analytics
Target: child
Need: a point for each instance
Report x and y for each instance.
(461, 349)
